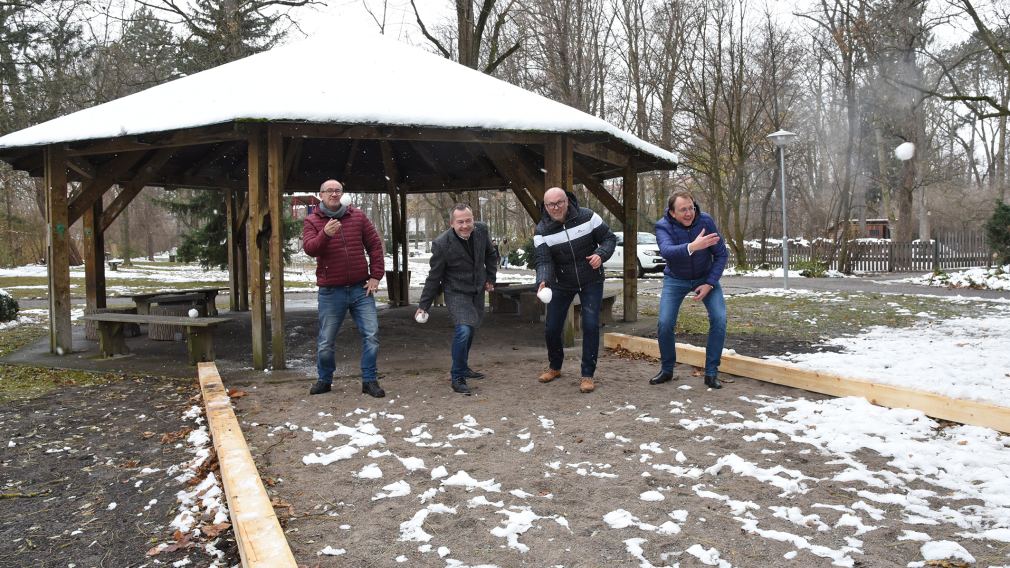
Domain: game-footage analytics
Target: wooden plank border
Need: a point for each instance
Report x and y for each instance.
(938, 406)
(261, 541)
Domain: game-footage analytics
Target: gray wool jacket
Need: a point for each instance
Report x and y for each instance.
(452, 269)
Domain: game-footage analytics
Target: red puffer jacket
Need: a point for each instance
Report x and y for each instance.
(341, 258)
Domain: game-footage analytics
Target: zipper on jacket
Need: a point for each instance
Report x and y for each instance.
(574, 260)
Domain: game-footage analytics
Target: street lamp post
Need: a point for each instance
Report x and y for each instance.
(781, 139)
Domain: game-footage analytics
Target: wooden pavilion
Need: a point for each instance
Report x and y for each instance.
(274, 123)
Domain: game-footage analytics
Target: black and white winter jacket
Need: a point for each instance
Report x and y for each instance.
(562, 247)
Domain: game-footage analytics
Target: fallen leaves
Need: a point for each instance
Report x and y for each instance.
(182, 541)
(173, 437)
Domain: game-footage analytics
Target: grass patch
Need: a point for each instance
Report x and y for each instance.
(829, 314)
(19, 382)
(23, 382)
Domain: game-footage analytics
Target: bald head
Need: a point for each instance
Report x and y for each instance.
(556, 203)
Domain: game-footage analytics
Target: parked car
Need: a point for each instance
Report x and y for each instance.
(649, 259)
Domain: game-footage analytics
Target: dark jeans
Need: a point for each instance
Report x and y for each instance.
(334, 303)
(461, 342)
(590, 297)
(674, 292)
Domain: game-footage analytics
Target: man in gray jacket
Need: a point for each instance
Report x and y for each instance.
(463, 267)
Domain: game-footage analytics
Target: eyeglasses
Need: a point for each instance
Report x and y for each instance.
(556, 204)
(684, 210)
(325, 191)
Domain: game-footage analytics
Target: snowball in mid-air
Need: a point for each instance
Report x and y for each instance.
(904, 152)
(421, 317)
(545, 295)
(194, 313)
(345, 200)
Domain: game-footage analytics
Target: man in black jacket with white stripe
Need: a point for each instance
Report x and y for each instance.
(571, 245)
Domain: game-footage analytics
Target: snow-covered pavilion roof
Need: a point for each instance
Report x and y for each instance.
(345, 78)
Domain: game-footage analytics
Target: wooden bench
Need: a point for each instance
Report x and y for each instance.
(199, 333)
(114, 265)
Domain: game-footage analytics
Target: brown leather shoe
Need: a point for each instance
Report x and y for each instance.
(586, 385)
(549, 375)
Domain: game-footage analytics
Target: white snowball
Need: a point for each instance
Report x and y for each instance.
(421, 317)
(905, 151)
(193, 313)
(345, 199)
(545, 295)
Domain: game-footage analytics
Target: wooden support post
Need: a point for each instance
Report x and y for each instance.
(404, 243)
(558, 173)
(275, 189)
(938, 406)
(94, 258)
(558, 162)
(399, 271)
(630, 243)
(229, 214)
(258, 534)
(58, 261)
(241, 230)
(257, 243)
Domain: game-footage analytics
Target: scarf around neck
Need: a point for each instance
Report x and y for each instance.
(338, 214)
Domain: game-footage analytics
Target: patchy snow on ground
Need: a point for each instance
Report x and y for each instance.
(962, 358)
(976, 278)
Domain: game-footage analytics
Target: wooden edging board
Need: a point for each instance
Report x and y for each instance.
(261, 541)
(938, 406)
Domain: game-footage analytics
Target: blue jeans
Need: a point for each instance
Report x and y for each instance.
(461, 342)
(334, 303)
(590, 297)
(674, 291)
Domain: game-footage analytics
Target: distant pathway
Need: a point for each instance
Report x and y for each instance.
(653, 284)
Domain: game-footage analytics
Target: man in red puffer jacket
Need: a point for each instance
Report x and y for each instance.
(339, 235)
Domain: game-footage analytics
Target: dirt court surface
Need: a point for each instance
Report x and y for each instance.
(529, 474)
(86, 475)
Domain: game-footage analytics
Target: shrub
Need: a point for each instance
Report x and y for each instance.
(8, 306)
(811, 268)
(523, 256)
(998, 230)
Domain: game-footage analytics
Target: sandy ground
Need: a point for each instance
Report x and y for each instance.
(562, 478)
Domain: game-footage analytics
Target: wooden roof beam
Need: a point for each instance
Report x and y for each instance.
(599, 192)
(419, 133)
(147, 172)
(96, 187)
(601, 153)
(510, 164)
(188, 137)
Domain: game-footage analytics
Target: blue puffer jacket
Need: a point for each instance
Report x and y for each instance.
(562, 248)
(673, 240)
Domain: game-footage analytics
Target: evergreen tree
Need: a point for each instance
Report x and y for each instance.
(218, 32)
(207, 242)
(998, 230)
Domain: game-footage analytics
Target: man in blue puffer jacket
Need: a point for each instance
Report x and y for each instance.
(695, 258)
(571, 245)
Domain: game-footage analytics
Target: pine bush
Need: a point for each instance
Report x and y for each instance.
(8, 306)
(998, 230)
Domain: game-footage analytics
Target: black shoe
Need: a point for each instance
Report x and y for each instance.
(459, 385)
(320, 387)
(712, 382)
(372, 388)
(471, 374)
(660, 378)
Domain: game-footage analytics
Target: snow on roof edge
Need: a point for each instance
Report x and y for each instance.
(426, 91)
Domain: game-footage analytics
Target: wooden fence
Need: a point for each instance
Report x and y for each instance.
(946, 252)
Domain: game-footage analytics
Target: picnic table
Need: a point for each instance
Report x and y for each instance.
(200, 298)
